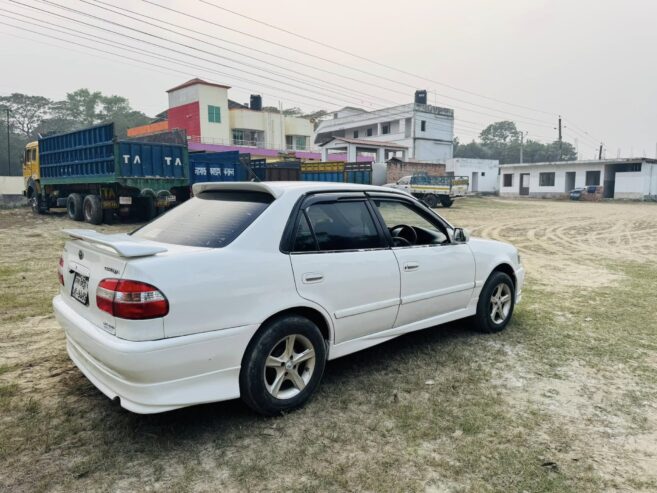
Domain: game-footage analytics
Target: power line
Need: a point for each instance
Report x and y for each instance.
(390, 67)
(377, 76)
(187, 46)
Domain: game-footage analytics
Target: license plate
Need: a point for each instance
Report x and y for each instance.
(80, 288)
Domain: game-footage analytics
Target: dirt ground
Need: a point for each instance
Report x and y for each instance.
(564, 400)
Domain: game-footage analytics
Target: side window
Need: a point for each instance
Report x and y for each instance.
(396, 214)
(304, 241)
(338, 226)
(34, 154)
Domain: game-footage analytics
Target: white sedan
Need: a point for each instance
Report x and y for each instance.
(247, 289)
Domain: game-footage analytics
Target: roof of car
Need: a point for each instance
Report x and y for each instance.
(279, 188)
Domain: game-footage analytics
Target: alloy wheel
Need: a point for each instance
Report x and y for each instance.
(289, 366)
(500, 303)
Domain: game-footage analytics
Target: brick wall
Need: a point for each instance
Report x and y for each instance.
(395, 170)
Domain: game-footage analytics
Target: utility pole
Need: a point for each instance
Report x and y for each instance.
(522, 143)
(560, 141)
(8, 146)
(600, 153)
(576, 148)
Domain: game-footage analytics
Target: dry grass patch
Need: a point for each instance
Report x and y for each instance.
(564, 400)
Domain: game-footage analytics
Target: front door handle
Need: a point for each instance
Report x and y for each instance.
(411, 266)
(312, 277)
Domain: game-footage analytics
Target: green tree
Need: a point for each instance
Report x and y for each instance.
(499, 133)
(25, 112)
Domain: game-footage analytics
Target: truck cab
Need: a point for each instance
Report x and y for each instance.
(31, 170)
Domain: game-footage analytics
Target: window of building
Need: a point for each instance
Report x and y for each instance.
(355, 134)
(337, 226)
(483, 173)
(214, 114)
(546, 179)
(592, 178)
(423, 125)
(296, 142)
(247, 137)
(385, 128)
(370, 131)
(507, 179)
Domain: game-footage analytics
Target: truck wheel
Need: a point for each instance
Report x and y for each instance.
(446, 201)
(93, 210)
(74, 207)
(431, 200)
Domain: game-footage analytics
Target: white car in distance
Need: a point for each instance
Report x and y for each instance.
(247, 289)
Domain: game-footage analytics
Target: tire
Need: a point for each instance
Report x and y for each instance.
(486, 320)
(260, 388)
(431, 200)
(38, 204)
(74, 207)
(446, 201)
(92, 209)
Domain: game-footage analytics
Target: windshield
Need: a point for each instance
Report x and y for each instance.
(212, 219)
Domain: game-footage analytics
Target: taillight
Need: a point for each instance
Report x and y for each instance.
(133, 300)
(60, 271)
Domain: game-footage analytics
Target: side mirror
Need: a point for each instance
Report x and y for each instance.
(461, 235)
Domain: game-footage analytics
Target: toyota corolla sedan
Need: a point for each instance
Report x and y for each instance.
(247, 289)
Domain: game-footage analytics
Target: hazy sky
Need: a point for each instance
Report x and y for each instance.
(591, 61)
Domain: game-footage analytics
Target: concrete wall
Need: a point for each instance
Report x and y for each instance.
(396, 171)
(11, 185)
(629, 185)
(559, 188)
(215, 96)
(486, 170)
(274, 125)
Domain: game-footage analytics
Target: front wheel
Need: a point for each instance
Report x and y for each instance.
(496, 303)
(283, 365)
(430, 200)
(446, 201)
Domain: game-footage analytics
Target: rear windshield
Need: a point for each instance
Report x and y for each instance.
(211, 219)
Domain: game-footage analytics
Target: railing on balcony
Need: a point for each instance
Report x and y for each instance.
(261, 144)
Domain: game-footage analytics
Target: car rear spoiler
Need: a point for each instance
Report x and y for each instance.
(123, 244)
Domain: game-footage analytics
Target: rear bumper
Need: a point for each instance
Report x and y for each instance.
(156, 376)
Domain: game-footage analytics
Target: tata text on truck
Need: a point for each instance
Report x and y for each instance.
(433, 189)
(97, 176)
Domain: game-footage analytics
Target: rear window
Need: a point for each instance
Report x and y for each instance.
(212, 219)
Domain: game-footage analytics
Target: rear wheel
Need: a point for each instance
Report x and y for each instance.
(446, 201)
(496, 303)
(74, 207)
(283, 365)
(431, 200)
(92, 208)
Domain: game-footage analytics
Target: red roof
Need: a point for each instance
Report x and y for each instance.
(194, 81)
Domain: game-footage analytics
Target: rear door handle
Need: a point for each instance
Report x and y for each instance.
(312, 277)
(411, 266)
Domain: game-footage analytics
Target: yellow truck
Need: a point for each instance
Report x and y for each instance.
(32, 174)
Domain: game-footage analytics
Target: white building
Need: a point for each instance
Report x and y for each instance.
(482, 173)
(422, 131)
(630, 178)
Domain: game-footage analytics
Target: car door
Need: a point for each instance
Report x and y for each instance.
(341, 260)
(437, 275)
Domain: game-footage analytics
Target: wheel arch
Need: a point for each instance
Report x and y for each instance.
(508, 270)
(313, 314)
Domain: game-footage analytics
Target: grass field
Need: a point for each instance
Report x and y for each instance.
(564, 400)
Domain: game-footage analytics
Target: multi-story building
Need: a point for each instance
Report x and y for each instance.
(415, 131)
(214, 122)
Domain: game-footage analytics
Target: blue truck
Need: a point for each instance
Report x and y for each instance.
(96, 176)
